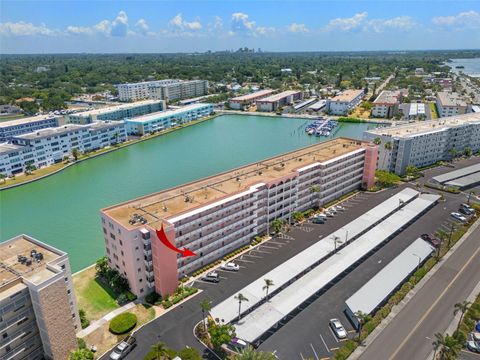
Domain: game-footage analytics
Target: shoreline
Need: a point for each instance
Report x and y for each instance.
(107, 151)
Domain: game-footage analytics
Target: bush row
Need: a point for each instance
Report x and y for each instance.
(172, 300)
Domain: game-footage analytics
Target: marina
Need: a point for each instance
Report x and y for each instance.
(321, 127)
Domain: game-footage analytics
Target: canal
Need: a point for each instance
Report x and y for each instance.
(63, 210)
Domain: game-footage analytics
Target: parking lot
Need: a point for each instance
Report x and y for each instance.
(306, 335)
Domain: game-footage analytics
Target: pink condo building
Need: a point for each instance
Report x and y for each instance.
(218, 214)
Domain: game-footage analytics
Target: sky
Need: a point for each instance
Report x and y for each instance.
(67, 26)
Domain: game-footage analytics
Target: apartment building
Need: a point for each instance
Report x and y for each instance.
(9, 129)
(244, 101)
(275, 102)
(48, 146)
(343, 103)
(142, 125)
(450, 104)
(386, 104)
(425, 143)
(117, 112)
(38, 311)
(169, 89)
(219, 214)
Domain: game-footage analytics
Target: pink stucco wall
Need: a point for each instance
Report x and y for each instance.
(164, 262)
(371, 157)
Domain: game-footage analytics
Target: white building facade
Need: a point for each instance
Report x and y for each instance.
(450, 104)
(345, 102)
(169, 89)
(9, 129)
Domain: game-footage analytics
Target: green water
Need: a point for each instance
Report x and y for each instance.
(63, 210)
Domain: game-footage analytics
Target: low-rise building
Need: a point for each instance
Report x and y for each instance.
(416, 111)
(48, 146)
(386, 104)
(216, 215)
(343, 103)
(275, 102)
(150, 123)
(425, 143)
(244, 101)
(117, 112)
(450, 104)
(38, 310)
(9, 129)
(168, 89)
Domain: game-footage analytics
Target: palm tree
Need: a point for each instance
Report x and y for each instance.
(448, 346)
(206, 306)
(461, 307)
(316, 189)
(240, 297)
(75, 153)
(362, 318)
(377, 141)
(249, 353)
(160, 350)
(3, 177)
(437, 344)
(267, 285)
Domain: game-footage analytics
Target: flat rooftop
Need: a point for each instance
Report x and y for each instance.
(108, 109)
(347, 95)
(168, 203)
(11, 269)
(455, 174)
(252, 96)
(26, 120)
(38, 134)
(279, 96)
(6, 148)
(388, 97)
(450, 99)
(423, 127)
(166, 113)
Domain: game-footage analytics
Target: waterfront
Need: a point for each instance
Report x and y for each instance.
(63, 210)
(471, 66)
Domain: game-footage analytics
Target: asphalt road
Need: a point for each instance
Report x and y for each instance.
(430, 311)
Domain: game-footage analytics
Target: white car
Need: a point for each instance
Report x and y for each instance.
(339, 208)
(459, 216)
(230, 266)
(338, 328)
(122, 349)
(332, 210)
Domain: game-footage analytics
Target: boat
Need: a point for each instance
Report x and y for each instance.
(311, 132)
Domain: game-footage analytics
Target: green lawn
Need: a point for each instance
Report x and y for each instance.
(92, 296)
(433, 111)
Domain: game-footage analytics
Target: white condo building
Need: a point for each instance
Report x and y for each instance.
(343, 103)
(48, 146)
(425, 143)
(450, 104)
(169, 89)
(9, 129)
(386, 104)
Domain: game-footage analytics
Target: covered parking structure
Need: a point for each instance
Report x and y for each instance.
(379, 288)
(462, 178)
(304, 261)
(270, 314)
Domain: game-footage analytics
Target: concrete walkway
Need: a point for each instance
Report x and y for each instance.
(105, 319)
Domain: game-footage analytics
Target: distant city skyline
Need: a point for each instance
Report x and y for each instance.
(189, 26)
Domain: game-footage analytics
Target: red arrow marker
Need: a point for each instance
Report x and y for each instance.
(163, 238)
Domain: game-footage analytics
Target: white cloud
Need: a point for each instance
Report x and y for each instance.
(178, 23)
(142, 27)
(402, 23)
(346, 24)
(468, 19)
(242, 23)
(216, 24)
(120, 25)
(22, 28)
(297, 28)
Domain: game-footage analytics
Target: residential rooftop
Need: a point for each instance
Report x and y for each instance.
(252, 96)
(37, 272)
(166, 204)
(418, 128)
(7, 147)
(26, 120)
(450, 99)
(347, 95)
(279, 96)
(388, 97)
(167, 113)
(113, 108)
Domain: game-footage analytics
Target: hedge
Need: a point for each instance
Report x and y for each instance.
(123, 323)
(172, 300)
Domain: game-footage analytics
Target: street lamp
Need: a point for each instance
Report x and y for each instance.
(346, 235)
(419, 260)
(452, 229)
(335, 240)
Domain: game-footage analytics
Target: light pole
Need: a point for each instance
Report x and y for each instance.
(419, 261)
(346, 235)
(452, 229)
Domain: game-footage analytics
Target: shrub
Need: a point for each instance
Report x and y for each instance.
(130, 296)
(83, 319)
(123, 323)
(152, 298)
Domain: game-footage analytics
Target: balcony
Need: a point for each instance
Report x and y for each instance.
(148, 263)
(147, 253)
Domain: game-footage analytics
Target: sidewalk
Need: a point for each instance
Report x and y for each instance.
(97, 323)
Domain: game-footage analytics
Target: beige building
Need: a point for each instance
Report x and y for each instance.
(38, 310)
(450, 104)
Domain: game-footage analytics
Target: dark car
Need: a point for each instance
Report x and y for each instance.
(431, 239)
(122, 349)
(466, 211)
(211, 277)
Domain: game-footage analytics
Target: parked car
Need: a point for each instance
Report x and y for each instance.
(122, 349)
(473, 346)
(230, 266)
(211, 277)
(431, 239)
(468, 208)
(339, 208)
(338, 328)
(329, 213)
(318, 220)
(332, 210)
(321, 216)
(459, 216)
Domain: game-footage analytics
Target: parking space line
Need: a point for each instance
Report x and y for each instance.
(333, 334)
(269, 247)
(314, 352)
(324, 343)
(352, 331)
(247, 261)
(260, 251)
(254, 256)
(301, 355)
(334, 348)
